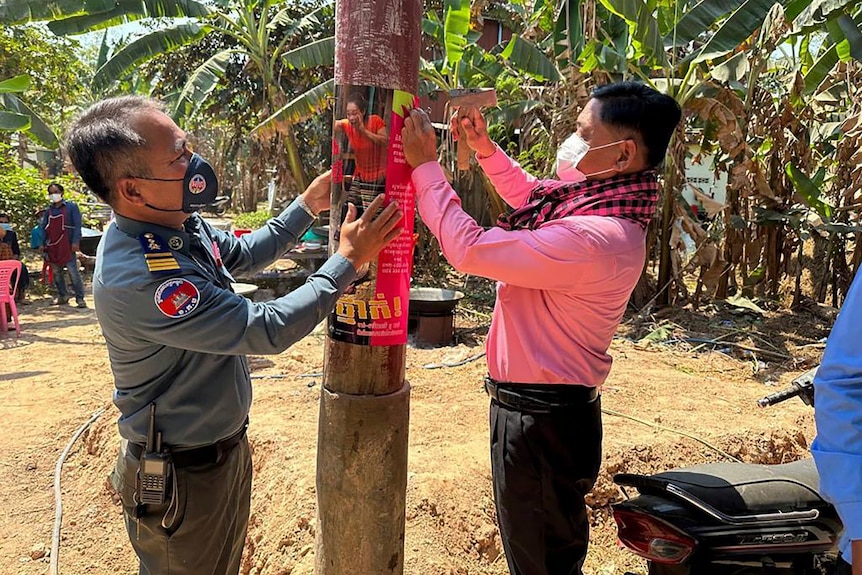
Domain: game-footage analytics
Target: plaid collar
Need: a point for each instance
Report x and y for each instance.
(629, 196)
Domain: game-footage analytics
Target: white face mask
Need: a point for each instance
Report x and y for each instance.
(570, 154)
(55, 198)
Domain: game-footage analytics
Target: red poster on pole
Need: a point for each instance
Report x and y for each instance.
(369, 162)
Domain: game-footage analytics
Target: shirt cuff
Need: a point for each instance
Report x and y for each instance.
(338, 269)
(301, 201)
(296, 219)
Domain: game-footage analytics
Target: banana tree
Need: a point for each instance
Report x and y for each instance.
(17, 116)
(261, 31)
(701, 53)
(517, 69)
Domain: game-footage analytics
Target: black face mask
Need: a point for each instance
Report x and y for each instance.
(200, 186)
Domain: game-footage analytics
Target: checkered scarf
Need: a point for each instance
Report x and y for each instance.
(630, 196)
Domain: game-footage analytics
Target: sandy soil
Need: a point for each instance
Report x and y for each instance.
(56, 375)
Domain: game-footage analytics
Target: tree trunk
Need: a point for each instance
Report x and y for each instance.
(674, 177)
(294, 159)
(364, 409)
(22, 149)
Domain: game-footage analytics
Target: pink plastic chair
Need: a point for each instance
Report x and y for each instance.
(7, 293)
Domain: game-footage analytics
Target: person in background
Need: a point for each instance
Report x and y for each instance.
(566, 259)
(10, 238)
(368, 138)
(62, 224)
(37, 242)
(37, 234)
(837, 449)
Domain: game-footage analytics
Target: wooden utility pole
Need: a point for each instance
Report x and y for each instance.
(364, 403)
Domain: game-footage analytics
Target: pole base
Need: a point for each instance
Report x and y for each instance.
(361, 483)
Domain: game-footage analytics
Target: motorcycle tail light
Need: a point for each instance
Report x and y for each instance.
(652, 538)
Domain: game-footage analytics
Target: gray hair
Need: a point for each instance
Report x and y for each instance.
(103, 146)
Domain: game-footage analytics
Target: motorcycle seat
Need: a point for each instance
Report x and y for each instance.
(739, 489)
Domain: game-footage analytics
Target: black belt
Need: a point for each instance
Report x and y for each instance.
(539, 398)
(205, 455)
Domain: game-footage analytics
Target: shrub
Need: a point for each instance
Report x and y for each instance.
(252, 220)
(23, 191)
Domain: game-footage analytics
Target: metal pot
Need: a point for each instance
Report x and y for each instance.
(433, 301)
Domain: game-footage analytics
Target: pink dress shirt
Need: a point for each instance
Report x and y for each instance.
(562, 288)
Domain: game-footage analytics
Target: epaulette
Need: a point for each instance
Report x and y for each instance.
(159, 258)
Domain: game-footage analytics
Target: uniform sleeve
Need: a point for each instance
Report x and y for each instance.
(75, 217)
(511, 181)
(548, 258)
(837, 448)
(192, 313)
(253, 252)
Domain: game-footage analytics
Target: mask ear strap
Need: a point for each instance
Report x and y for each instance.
(620, 141)
(158, 179)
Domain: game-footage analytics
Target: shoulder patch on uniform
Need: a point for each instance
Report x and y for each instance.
(158, 257)
(177, 297)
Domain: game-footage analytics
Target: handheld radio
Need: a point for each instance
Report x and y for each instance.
(155, 467)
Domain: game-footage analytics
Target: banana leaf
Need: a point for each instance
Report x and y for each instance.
(525, 56)
(145, 48)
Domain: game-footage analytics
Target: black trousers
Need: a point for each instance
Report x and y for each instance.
(202, 531)
(543, 465)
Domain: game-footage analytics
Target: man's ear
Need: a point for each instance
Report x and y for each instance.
(628, 155)
(127, 191)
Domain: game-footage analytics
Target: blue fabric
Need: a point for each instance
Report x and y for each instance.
(837, 448)
(37, 237)
(178, 337)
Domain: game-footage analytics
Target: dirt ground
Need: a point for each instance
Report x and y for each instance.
(56, 375)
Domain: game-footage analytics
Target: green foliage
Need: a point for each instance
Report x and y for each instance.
(810, 190)
(536, 158)
(57, 76)
(252, 220)
(23, 191)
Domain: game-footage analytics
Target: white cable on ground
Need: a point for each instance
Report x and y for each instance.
(58, 518)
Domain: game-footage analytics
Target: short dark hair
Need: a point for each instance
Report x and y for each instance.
(57, 185)
(4, 217)
(637, 107)
(103, 145)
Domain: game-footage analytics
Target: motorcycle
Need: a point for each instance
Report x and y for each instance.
(218, 206)
(733, 518)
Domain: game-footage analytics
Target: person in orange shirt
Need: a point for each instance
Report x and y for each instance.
(368, 139)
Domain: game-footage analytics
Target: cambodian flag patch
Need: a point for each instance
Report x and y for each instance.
(177, 297)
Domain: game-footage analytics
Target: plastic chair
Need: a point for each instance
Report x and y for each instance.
(7, 293)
